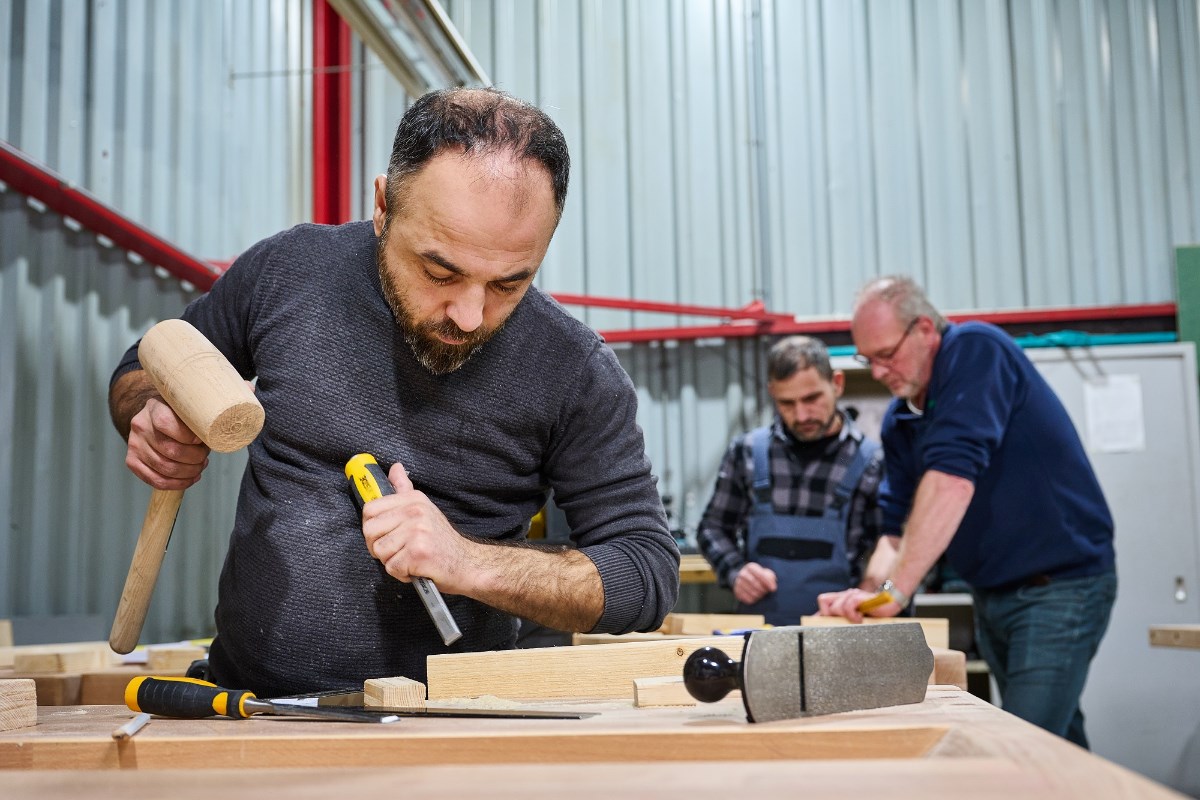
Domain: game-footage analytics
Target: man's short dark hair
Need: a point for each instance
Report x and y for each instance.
(795, 353)
(476, 121)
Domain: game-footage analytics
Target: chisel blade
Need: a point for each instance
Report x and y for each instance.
(352, 700)
(330, 713)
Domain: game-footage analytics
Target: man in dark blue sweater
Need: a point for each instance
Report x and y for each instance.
(984, 465)
(418, 337)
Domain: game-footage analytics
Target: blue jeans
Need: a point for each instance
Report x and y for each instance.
(1038, 642)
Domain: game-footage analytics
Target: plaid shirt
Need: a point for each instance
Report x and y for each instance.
(800, 486)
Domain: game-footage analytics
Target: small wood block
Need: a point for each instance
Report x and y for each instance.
(602, 672)
(174, 657)
(6, 633)
(63, 658)
(664, 691)
(705, 624)
(107, 687)
(18, 704)
(1175, 635)
(397, 692)
(949, 668)
(937, 629)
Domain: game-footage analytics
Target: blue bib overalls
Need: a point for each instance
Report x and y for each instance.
(807, 554)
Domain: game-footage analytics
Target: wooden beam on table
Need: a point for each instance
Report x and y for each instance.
(600, 672)
(18, 704)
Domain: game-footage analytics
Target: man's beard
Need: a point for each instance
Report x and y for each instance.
(431, 352)
(814, 435)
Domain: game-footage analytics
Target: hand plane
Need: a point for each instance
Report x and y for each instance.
(798, 671)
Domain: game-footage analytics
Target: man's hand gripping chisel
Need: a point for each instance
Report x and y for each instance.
(368, 482)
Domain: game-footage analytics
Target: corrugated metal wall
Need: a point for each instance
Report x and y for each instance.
(193, 119)
(1010, 153)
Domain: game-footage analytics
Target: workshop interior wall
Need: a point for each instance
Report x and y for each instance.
(1009, 154)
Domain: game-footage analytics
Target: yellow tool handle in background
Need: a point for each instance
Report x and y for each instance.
(369, 482)
(880, 599)
(186, 698)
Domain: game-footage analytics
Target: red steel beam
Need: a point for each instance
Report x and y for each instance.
(754, 310)
(788, 325)
(27, 176)
(331, 116)
(57, 193)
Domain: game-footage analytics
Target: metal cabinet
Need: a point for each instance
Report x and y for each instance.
(1142, 704)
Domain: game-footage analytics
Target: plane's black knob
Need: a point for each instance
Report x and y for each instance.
(709, 675)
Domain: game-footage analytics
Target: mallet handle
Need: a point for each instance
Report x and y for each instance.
(208, 395)
(143, 569)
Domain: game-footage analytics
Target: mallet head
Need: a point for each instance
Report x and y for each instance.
(201, 386)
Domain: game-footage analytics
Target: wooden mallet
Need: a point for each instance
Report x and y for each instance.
(206, 392)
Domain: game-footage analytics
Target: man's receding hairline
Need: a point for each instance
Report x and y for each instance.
(478, 155)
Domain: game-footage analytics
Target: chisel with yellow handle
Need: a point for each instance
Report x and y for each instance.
(189, 698)
(368, 482)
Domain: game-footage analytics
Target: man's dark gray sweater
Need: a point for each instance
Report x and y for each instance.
(302, 605)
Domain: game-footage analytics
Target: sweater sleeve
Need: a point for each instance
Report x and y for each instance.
(601, 477)
(976, 390)
(222, 314)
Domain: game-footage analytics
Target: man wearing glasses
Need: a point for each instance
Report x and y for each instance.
(794, 512)
(984, 465)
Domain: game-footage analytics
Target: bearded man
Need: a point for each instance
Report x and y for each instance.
(418, 337)
(794, 512)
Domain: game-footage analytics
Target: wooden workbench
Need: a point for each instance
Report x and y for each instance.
(952, 745)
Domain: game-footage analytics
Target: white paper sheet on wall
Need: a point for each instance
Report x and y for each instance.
(1113, 407)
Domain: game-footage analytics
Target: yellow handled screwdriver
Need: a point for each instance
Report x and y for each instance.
(189, 698)
(368, 482)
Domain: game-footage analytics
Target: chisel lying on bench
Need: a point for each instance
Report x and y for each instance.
(190, 698)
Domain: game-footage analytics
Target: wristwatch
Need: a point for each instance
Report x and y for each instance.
(893, 591)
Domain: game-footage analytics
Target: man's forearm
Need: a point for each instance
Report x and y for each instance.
(937, 511)
(560, 589)
(126, 398)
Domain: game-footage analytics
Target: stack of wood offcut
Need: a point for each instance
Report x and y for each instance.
(86, 673)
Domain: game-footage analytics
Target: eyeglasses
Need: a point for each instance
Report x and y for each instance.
(885, 358)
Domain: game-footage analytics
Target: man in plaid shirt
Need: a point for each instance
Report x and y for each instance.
(794, 512)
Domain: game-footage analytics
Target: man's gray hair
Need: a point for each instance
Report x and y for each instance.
(905, 297)
(795, 353)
